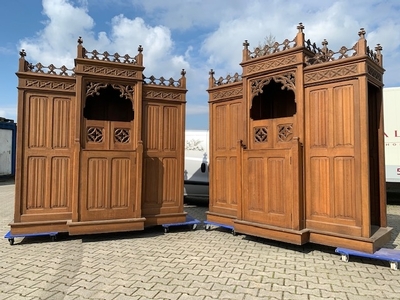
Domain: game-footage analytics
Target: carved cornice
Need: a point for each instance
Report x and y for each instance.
(52, 85)
(270, 64)
(92, 88)
(374, 73)
(110, 71)
(330, 73)
(228, 93)
(287, 80)
(163, 95)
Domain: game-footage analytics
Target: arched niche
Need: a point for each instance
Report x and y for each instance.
(273, 98)
(108, 103)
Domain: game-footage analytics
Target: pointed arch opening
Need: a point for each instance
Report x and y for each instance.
(274, 101)
(108, 105)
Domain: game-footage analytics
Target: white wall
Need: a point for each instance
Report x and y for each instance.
(5, 151)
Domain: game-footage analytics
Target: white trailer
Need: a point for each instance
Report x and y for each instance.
(391, 109)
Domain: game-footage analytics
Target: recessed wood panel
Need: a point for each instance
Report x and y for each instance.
(276, 187)
(152, 167)
(37, 115)
(236, 127)
(343, 115)
(232, 177)
(220, 132)
(170, 179)
(256, 184)
(319, 113)
(97, 183)
(60, 182)
(220, 180)
(319, 186)
(170, 130)
(120, 182)
(36, 182)
(152, 127)
(61, 123)
(345, 187)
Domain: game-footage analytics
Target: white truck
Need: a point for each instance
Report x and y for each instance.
(196, 163)
(391, 110)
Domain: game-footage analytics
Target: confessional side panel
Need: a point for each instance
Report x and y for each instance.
(163, 165)
(331, 164)
(228, 127)
(47, 155)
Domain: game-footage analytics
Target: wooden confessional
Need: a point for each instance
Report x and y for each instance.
(100, 148)
(297, 152)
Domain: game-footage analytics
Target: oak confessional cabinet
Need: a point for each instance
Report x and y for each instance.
(297, 152)
(100, 147)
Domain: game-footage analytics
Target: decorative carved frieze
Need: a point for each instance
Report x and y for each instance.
(52, 85)
(163, 95)
(330, 73)
(109, 71)
(374, 73)
(92, 88)
(227, 93)
(270, 64)
(285, 132)
(287, 80)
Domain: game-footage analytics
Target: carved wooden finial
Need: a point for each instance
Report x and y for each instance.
(140, 49)
(80, 40)
(300, 27)
(22, 53)
(361, 33)
(183, 72)
(246, 44)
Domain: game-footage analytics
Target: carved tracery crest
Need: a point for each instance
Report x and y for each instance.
(287, 80)
(92, 88)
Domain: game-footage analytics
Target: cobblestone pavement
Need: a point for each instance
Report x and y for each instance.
(185, 264)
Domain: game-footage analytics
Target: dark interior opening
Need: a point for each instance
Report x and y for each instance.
(108, 106)
(273, 102)
(374, 116)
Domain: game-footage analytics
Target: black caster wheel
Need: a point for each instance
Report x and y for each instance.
(11, 241)
(234, 233)
(207, 228)
(166, 230)
(194, 226)
(53, 238)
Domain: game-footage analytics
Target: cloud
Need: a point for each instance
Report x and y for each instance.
(56, 43)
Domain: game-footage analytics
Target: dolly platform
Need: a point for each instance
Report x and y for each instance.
(208, 225)
(390, 255)
(11, 237)
(189, 221)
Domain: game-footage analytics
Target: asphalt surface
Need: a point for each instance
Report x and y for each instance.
(185, 264)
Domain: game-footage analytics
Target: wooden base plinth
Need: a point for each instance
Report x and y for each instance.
(105, 226)
(38, 227)
(161, 219)
(298, 237)
(368, 245)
